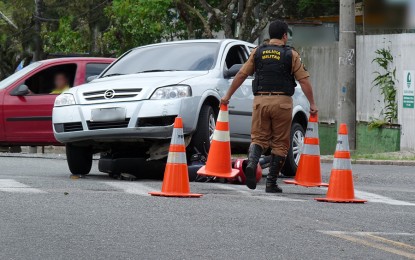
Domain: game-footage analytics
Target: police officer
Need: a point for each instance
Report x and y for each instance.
(276, 67)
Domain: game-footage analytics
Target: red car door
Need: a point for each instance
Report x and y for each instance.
(28, 118)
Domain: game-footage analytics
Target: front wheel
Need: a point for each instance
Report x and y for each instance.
(293, 157)
(204, 133)
(79, 159)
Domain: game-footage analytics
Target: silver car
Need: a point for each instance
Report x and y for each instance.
(128, 111)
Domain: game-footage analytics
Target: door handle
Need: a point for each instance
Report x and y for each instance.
(232, 107)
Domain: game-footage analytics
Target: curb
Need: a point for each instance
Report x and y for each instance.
(51, 156)
(34, 156)
(376, 162)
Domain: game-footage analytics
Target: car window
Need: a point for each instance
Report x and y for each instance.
(94, 69)
(189, 56)
(44, 82)
(236, 55)
(12, 78)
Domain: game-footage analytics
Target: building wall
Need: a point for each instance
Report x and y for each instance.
(319, 61)
(322, 62)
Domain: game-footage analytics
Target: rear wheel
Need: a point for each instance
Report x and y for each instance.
(79, 159)
(204, 133)
(297, 141)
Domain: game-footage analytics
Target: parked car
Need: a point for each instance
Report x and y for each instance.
(26, 102)
(129, 110)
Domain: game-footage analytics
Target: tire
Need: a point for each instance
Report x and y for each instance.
(205, 126)
(79, 159)
(297, 140)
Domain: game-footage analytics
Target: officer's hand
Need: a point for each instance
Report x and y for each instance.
(313, 109)
(225, 100)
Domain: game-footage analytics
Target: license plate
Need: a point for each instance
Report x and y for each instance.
(108, 114)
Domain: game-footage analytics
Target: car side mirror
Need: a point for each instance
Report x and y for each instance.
(91, 78)
(232, 71)
(21, 90)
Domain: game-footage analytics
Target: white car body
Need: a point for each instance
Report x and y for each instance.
(148, 121)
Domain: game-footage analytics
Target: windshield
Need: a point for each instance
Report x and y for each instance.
(12, 78)
(169, 57)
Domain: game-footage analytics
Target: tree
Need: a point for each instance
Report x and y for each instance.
(312, 8)
(110, 27)
(66, 39)
(84, 20)
(138, 22)
(241, 19)
(14, 42)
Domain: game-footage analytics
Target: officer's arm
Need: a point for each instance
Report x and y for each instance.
(240, 77)
(308, 92)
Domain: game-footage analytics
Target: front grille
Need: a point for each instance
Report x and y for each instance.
(156, 121)
(115, 94)
(72, 127)
(108, 125)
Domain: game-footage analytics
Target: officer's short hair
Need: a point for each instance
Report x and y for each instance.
(277, 29)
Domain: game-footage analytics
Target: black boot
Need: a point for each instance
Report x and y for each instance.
(277, 162)
(255, 152)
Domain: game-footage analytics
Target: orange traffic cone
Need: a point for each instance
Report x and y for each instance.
(341, 180)
(309, 167)
(176, 177)
(219, 162)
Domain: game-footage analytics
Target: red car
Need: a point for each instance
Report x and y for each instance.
(26, 103)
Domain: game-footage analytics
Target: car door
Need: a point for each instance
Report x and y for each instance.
(28, 118)
(240, 106)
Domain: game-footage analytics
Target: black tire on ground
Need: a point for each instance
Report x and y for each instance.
(201, 138)
(290, 166)
(79, 159)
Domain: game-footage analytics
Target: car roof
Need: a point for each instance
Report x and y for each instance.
(220, 41)
(75, 59)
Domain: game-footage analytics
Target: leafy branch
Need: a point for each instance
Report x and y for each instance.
(385, 81)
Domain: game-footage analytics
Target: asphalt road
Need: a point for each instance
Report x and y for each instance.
(46, 215)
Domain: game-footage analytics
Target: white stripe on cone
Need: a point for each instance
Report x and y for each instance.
(177, 137)
(342, 143)
(312, 130)
(176, 157)
(342, 164)
(311, 149)
(223, 116)
(221, 136)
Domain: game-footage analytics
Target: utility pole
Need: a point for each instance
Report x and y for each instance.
(347, 70)
(37, 53)
(37, 27)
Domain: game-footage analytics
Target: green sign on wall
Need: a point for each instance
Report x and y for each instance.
(408, 89)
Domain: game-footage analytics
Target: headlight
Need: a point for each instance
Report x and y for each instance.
(64, 100)
(171, 92)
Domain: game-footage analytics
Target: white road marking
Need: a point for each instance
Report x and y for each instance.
(132, 187)
(372, 197)
(259, 194)
(9, 185)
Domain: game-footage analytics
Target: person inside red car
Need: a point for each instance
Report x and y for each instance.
(61, 83)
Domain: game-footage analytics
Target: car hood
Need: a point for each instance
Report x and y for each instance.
(147, 83)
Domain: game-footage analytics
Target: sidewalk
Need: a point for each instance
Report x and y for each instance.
(50, 152)
(402, 158)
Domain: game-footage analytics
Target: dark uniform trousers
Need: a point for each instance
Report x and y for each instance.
(271, 123)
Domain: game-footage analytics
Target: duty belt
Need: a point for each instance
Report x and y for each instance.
(271, 94)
